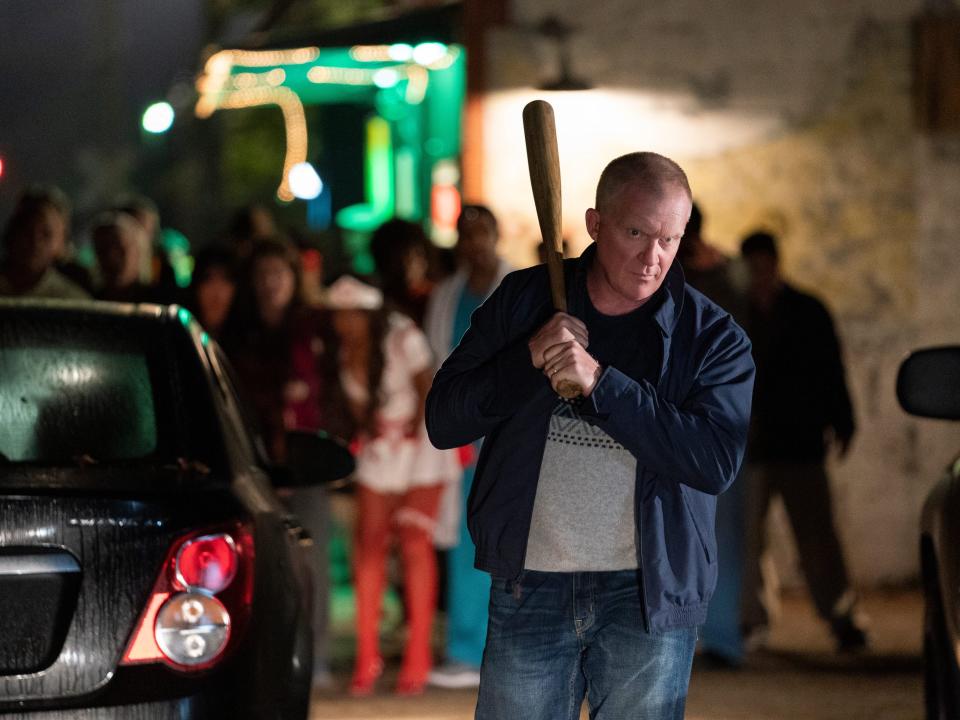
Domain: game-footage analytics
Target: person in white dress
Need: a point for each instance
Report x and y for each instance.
(386, 368)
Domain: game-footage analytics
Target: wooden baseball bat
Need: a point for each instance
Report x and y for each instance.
(540, 133)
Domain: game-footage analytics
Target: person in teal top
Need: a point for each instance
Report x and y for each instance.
(447, 319)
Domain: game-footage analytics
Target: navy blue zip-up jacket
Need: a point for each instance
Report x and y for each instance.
(687, 431)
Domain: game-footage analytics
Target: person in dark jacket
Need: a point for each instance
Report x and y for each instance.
(801, 409)
(596, 518)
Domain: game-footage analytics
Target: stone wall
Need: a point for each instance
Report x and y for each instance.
(794, 117)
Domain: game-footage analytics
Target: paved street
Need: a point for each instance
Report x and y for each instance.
(797, 678)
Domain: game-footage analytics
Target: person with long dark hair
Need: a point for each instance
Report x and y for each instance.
(213, 287)
(401, 252)
(385, 371)
(282, 352)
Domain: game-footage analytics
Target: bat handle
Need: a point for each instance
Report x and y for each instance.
(569, 390)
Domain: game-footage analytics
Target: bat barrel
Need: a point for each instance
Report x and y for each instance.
(543, 158)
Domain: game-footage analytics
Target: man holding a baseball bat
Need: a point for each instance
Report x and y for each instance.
(595, 516)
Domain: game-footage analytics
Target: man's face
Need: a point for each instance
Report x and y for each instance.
(415, 267)
(40, 242)
(477, 242)
(637, 234)
(118, 254)
(764, 273)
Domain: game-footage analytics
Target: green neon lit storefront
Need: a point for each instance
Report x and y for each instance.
(409, 99)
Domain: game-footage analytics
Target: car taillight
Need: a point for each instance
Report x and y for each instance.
(207, 563)
(192, 629)
(200, 601)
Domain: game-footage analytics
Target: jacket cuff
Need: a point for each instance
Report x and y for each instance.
(610, 384)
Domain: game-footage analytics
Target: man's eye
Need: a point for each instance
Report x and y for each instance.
(634, 232)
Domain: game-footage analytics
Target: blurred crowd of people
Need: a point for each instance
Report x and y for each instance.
(356, 355)
(349, 356)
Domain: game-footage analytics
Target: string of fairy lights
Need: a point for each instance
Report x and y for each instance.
(230, 81)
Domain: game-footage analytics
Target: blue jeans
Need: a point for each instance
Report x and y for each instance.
(555, 638)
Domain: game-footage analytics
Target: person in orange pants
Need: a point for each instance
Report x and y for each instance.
(411, 515)
(385, 371)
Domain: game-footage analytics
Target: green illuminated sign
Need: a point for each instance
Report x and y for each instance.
(415, 95)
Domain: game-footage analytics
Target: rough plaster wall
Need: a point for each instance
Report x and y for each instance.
(791, 116)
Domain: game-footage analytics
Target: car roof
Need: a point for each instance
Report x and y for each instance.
(96, 308)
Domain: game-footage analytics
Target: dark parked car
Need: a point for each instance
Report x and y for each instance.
(147, 567)
(928, 385)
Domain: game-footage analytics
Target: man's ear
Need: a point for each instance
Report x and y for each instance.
(592, 218)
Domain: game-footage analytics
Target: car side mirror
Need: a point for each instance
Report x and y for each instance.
(316, 457)
(928, 383)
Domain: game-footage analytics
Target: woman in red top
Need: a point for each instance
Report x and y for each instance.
(281, 351)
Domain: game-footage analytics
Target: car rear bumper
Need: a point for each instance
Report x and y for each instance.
(180, 709)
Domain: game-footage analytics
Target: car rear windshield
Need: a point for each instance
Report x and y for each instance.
(60, 403)
(76, 389)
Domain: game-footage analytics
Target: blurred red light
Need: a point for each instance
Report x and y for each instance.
(312, 261)
(208, 563)
(445, 206)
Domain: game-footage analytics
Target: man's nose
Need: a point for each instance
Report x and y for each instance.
(649, 252)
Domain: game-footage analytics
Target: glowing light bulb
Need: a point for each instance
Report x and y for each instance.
(158, 118)
(305, 183)
(401, 52)
(428, 53)
(386, 78)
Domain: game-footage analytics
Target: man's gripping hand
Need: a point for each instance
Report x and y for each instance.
(559, 348)
(561, 328)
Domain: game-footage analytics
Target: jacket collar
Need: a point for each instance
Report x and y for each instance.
(669, 296)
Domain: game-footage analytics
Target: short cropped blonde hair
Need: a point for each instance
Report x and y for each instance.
(649, 170)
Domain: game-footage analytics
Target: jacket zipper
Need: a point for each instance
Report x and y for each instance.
(638, 500)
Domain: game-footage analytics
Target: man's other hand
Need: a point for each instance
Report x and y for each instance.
(570, 361)
(561, 328)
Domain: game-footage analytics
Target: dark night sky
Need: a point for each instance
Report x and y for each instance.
(75, 75)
